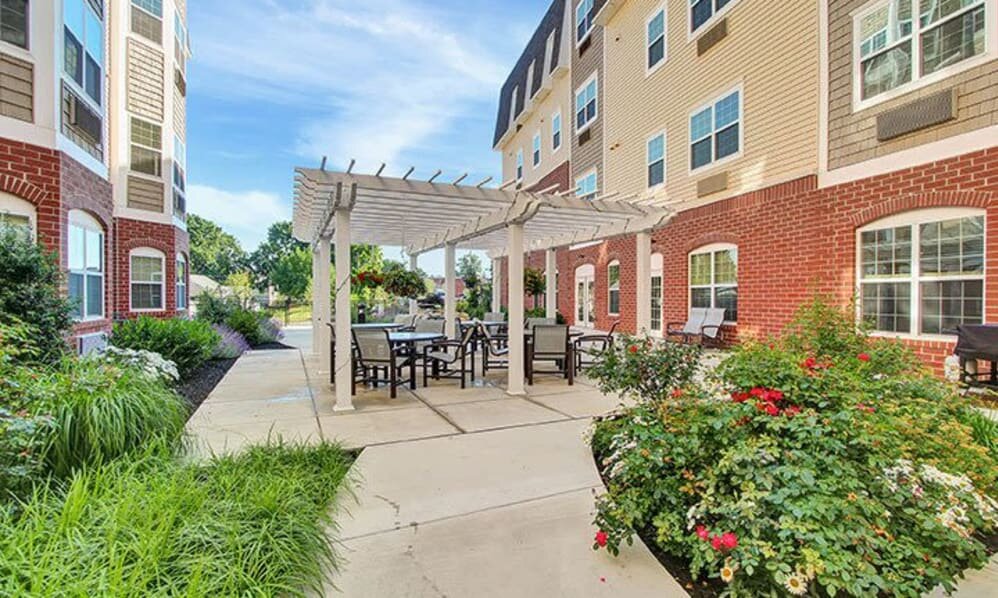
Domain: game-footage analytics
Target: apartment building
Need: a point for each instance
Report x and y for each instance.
(845, 147)
(72, 75)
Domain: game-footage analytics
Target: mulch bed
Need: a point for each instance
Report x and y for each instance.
(197, 388)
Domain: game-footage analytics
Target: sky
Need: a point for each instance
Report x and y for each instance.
(281, 83)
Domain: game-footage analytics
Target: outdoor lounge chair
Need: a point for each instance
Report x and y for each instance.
(495, 350)
(375, 353)
(355, 363)
(684, 331)
(406, 320)
(549, 342)
(589, 346)
(495, 316)
(531, 322)
(710, 332)
(455, 357)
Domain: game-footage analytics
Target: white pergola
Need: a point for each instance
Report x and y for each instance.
(421, 216)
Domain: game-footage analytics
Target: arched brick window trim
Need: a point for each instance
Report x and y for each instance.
(710, 239)
(150, 243)
(82, 205)
(22, 188)
(918, 201)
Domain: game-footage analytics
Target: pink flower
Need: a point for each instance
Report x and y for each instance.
(702, 532)
(729, 540)
(791, 411)
(863, 357)
(865, 408)
(677, 393)
(716, 543)
(601, 538)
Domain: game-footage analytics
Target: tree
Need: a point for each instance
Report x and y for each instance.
(534, 283)
(470, 270)
(477, 293)
(214, 252)
(292, 277)
(280, 243)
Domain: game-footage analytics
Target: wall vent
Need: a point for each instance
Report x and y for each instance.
(88, 343)
(713, 36)
(712, 184)
(930, 110)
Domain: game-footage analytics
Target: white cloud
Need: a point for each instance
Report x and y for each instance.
(247, 214)
(373, 80)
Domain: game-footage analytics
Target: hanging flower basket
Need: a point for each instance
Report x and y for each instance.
(367, 280)
(404, 283)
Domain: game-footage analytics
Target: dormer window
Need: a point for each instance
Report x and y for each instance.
(14, 22)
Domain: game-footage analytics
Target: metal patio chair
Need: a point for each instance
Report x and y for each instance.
(549, 342)
(692, 327)
(495, 350)
(458, 363)
(587, 347)
(375, 353)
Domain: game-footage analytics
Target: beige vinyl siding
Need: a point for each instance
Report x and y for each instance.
(852, 136)
(770, 52)
(589, 155)
(16, 88)
(145, 81)
(179, 114)
(144, 194)
(540, 119)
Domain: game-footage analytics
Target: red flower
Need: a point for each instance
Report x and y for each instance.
(865, 408)
(791, 411)
(702, 532)
(601, 538)
(810, 363)
(863, 357)
(771, 409)
(716, 543)
(633, 349)
(729, 541)
(740, 397)
(758, 392)
(773, 396)
(677, 393)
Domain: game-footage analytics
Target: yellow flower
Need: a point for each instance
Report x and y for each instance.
(796, 585)
(727, 574)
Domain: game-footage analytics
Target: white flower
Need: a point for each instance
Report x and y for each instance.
(796, 585)
(727, 574)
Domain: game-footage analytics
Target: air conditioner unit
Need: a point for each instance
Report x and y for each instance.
(88, 343)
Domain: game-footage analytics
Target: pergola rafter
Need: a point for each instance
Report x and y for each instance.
(422, 216)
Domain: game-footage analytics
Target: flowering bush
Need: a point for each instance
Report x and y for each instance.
(834, 465)
(153, 365)
(645, 369)
(232, 344)
(187, 343)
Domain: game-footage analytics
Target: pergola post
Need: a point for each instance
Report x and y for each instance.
(413, 265)
(450, 289)
(515, 303)
(551, 284)
(321, 299)
(642, 285)
(344, 352)
(496, 285)
(316, 337)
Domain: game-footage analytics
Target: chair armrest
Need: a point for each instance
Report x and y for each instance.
(592, 338)
(716, 328)
(671, 325)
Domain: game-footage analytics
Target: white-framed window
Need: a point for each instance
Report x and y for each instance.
(655, 160)
(714, 279)
(85, 257)
(536, 156)
(14, 22)
(716, 130)
(179, 178)
(180, 42)
(583, 20)
(900, 45)
(585, 104)
(512, 105)
(146, 147)
(656, 41)
(657, 289)
(181, 286)
(922, 272)
(17, 213)
(556, 131)
(153, 7)
(613, 288)
(586, 185)
(83, 48)
(705, 12)
(147, 279)
(519, 164)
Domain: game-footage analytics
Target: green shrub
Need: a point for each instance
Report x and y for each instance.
(829, 464)
(215, 308)
(149, 525)
(31, 291)
(645, 370)
(187, 343)
(101, 411)
(246, 323)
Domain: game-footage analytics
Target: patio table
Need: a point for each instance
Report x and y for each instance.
(376, 326)
(410, 339)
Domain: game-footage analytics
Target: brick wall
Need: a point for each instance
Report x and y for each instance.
(133, 234)
(56, 184)
(794, 240)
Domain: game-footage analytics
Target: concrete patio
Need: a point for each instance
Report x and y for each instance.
(458, 492)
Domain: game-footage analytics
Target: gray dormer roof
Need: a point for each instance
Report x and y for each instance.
(533, 54)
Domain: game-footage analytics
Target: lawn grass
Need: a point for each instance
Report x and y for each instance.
(299, 314)
(147, 524)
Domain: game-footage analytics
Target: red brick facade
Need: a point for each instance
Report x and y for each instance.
(134, 234)
(794, 240)
(56, 184)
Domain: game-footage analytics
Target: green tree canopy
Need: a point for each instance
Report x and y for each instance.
(292, 274)
(471, 270)
(280, 242)
(214, 252)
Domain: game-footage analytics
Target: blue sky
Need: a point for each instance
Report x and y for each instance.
(280, 83)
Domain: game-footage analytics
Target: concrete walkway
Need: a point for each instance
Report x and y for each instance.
(459, 493)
